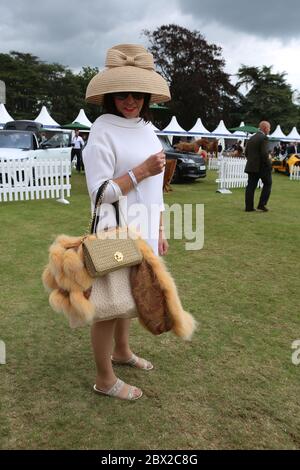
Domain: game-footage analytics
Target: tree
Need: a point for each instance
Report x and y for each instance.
(194, 70)
(268, 97)
(18, 70)
(32, 83)
(84, 77)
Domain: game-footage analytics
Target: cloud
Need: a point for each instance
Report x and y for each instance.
(266, 18)
(77, 33)
(256, 51)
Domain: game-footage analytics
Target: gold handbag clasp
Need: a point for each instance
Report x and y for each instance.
(118, 256)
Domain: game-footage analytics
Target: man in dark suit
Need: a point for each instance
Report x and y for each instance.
(292, 148)
(258, 166)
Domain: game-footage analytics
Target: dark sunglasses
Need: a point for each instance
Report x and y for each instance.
(124, 94)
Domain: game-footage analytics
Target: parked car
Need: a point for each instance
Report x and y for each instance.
(46, 138)
(23, 125)
(190, 166)
(16, 144)
(284, 165)
(24, 145)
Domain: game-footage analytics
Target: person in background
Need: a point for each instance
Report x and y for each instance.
(283, 148)
(43, 137)
(85, 139)
(77, 146)
(292, 148)
(258, 166)
(239, 149)
(276, 151)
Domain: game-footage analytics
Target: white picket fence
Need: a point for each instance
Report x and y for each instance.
(231, 174)
(35, 179)
(213, 163)
(295, 173)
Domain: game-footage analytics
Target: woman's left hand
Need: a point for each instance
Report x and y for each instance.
(163, 244)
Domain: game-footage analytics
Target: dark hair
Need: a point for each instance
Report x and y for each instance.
(109, 106)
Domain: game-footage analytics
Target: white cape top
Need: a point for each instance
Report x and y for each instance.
(116, 145)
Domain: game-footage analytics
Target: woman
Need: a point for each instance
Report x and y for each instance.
(124, 149)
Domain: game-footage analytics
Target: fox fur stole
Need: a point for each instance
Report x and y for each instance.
(69, 285)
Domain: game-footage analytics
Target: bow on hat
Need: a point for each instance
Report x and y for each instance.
(117, 58)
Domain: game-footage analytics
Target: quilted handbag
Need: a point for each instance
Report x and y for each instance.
(111, 250)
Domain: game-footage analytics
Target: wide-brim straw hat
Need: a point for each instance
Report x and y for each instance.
(130, 67)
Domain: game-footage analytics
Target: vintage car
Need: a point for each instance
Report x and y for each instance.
(190, 166)
(284, 164)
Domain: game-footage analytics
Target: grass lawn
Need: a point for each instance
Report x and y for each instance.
(234, 386)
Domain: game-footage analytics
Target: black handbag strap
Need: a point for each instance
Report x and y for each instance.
(98, 202)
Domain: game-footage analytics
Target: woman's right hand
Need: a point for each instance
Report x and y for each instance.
(154, 164)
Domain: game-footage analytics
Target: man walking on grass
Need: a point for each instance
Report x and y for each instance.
(258, 166)
(77, 146)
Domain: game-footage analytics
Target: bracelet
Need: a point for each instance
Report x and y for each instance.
(135, 184)
(133, 178)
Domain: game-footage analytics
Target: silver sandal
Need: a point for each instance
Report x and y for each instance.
(114, 391)
(132, 362)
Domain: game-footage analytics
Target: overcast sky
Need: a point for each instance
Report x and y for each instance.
(77, 33)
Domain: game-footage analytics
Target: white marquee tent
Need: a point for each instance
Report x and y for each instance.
(173, 128)
(4, 116)
(82, 119)
(278, 134)
(45, 119)
(199, 129)
(293, 135)
(221, 131)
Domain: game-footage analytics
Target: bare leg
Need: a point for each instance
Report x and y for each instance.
(102, 341)
(122, 351)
